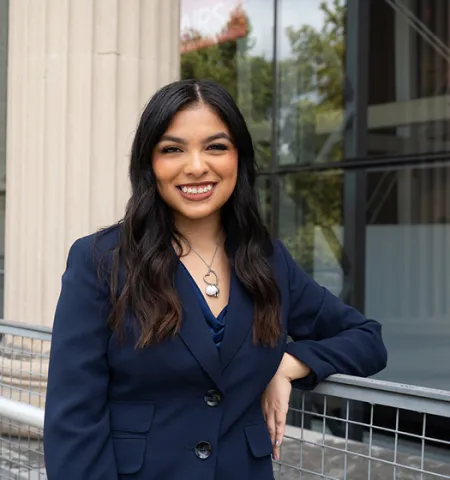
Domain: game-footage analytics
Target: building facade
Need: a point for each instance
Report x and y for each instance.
(348, 102)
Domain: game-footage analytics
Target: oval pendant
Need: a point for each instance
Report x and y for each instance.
(212, 290)
(211, 280)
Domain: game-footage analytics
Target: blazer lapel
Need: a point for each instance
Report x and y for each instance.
(194, 331)
(238, 322)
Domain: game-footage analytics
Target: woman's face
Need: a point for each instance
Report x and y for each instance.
(195, 163)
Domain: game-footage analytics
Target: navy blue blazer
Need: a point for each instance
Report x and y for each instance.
(183, 409)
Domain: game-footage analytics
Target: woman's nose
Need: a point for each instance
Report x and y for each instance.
(196, 164)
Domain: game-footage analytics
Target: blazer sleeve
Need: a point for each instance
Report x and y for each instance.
(77, 440)
(329, 336)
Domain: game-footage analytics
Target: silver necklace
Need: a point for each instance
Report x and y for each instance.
(210, 278)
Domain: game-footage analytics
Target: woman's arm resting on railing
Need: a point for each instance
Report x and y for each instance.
(329, 336)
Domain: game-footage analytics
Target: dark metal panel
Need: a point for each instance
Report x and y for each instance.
(355, 145)
(275, 185)
(428, 159)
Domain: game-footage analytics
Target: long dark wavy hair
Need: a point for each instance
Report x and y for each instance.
(144, 262)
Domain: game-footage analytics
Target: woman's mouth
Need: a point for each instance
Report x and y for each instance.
(197, 192)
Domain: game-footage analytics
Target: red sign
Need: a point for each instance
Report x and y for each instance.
(209, 22)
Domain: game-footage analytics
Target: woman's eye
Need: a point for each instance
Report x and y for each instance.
(217, 146)
(170, 150)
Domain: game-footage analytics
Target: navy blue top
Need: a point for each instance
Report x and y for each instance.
(141, 413)
(216, 324)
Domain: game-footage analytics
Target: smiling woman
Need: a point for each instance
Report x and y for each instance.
(169, 355)
(196, 165)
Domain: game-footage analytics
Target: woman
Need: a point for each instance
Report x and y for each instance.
(169, 357)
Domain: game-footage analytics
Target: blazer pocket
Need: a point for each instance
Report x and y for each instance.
(258, 439)
(130, 423)
(131, 417)
(129, 453)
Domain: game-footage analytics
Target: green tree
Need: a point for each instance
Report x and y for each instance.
(316, 69)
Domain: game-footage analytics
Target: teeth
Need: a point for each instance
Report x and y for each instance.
(194, 190)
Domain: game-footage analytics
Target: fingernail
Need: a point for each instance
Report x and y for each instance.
(277, 443)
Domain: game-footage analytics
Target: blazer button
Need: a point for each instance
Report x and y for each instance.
(203, 450)
(212, 398)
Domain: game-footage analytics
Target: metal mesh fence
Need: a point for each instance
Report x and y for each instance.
(21, 456)
(24, 353)
(363, 429)
(348, 429)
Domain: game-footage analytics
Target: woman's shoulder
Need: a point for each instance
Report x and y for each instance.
(96, 247)
(279, 256)
(284, 261)
(279, 250)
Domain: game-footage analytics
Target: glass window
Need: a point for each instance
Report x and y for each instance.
(407, 214)
(310, 224)
(375, 236)
(310, 60)
(264, 190)
(409, 77)
(228, 42)
(408, 270)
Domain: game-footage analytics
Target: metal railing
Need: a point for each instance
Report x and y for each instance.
(403, 430)
(24, 354)
(347, 429)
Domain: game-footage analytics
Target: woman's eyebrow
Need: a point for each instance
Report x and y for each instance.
(216, 136)
(171, 138)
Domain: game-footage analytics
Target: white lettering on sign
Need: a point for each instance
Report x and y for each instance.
(208, 21)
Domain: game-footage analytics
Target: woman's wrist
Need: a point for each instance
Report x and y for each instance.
(292, 368)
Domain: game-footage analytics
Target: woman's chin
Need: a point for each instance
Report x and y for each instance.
(198, 212)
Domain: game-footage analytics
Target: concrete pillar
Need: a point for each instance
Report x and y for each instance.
(79, 74)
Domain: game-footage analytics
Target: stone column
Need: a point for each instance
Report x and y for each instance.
(79, 74)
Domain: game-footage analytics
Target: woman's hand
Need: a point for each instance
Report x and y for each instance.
(275, 404)
(275, 400)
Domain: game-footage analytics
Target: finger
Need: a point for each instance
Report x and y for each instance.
(280, 425)
(270, 421)
(276, 453)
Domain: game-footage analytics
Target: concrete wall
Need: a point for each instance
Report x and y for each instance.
(80, 72)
